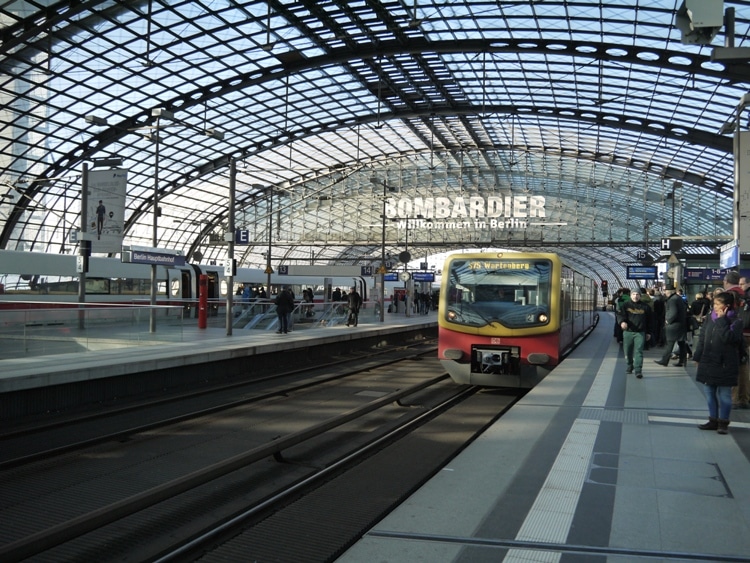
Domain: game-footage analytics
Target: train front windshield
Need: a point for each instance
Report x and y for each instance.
(507, 292)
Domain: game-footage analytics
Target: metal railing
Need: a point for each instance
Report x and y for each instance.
(61, 328)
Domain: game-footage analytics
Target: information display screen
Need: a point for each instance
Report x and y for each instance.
(641, 272)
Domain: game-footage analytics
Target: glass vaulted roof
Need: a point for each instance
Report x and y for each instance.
(328, 105)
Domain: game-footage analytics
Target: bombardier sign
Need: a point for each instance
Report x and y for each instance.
(470, 212)
(518, 206)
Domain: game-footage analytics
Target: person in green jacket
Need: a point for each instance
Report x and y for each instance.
(634, 318)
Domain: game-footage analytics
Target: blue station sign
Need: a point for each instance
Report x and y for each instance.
(641, 273)
(709, 274)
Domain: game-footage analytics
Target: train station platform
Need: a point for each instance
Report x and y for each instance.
(592, 465)
(33, 384)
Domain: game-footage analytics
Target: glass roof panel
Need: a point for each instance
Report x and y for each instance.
(598, 107)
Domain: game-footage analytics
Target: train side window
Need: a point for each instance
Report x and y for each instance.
(175, 289)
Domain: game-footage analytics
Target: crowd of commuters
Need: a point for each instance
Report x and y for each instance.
(350, 302)
(713, 330)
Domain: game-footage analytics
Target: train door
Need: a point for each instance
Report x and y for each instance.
(179, 284)
(180, 288)
(214, 280)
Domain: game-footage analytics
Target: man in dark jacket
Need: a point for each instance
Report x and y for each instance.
(675, 328)
(284, 305)
(354, 303)
(658, 321)
(634, 318)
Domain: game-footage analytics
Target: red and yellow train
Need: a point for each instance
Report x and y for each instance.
(507, 319)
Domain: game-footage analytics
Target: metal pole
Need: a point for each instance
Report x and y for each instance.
(230, 241)
(407, 284)
(152, 300)
(65, 217)
(84, 220)
(270, 237)
(674, 196)
(382, 263)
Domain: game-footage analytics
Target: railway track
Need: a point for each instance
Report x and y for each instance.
(152, 492)
(319, 518)
(52, 436)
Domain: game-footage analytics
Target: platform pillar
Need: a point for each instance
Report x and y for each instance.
(203, 301)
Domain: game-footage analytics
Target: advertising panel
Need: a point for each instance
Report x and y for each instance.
(106, 209)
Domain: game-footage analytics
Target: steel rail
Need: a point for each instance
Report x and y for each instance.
(75, 527)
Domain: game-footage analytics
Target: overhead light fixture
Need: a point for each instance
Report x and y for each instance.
(107, 162)
(215, 133)
(96, 120)
(162, 113)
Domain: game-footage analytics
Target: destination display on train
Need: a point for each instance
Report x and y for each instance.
(497, 265)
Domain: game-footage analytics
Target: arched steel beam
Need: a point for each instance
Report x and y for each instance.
(734, 72)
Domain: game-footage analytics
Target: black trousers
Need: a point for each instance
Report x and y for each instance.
(681, 344)
(353, 317)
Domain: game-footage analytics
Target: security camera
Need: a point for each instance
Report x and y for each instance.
(700, 20)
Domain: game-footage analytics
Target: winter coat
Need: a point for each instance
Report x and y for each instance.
(355, 301)
(718, 350)
(636, 314)
(700, 307)
(284, 302)
(675, 316)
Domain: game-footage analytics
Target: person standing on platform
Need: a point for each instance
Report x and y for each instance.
(284, 306)
(354, 303)
(718, 357)
(675, 327)
(646, 300)
(741, 393)
(658, 322)
(634, 318)
(621, 297)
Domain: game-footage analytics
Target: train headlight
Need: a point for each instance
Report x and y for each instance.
(453, 354)
(543, 318)
(452, 316)
(537, 358)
